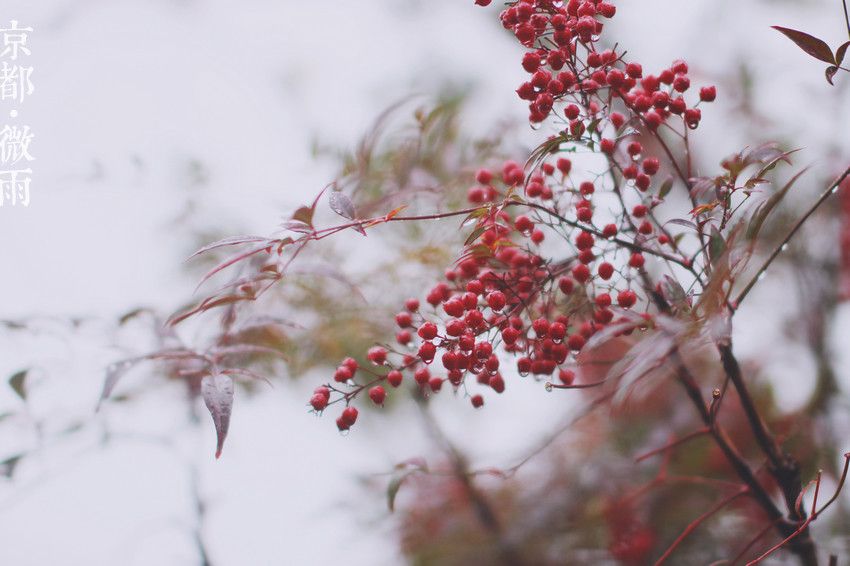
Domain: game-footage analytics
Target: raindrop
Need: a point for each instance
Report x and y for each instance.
(548, 387)
(761, 275)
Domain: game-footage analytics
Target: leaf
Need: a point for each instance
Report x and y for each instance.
(475, 234)
(393, 487)
(808, 43)
(7, 466)
(765, 209)
(232, 241)
(830, 72)
(304, 214)
(342, 205)
(682, 222)
(217, 391)
(665, 187)
(840, 52)
(716, 243)
(16, 382)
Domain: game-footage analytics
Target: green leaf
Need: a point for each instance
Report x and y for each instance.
(475, 234)
(16, 382)
(815, 47)
(767, 207)
(393, 487)
(716, 243)
(665, 187)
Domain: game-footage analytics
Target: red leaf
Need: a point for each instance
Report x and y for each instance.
(840, 52)
(808, 43)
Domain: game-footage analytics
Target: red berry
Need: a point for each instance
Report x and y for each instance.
(422, 376)
(523, 224)
(377, 394)
(581, 273)
(566, 285)
(650, 165)
(454, 307)
(566, 376)
(377, 355)
(435, 383)
(626, 298)
(477, 401)
(412, 305)
(609, 231)
(343, 374)
(403, 319)
(537, 236)
(707, 93)
(605, 270)
(318, 402)
(576, 342)
(496, 300)
(394, 378)
(428, 331)
(349, 415)
(351, 364)
(497, 383)
(636, 260)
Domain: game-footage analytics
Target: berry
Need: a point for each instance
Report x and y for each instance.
(377, 394)
(636, 260)
(496, 300)
(377, 355)
(626, 298)
(394, 378)
(708, 93)
(428, 331)
(403, 319)
(319, 402)
(605, 270)
(477, 401)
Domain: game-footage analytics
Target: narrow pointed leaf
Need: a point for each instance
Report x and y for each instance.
(217, 391)
(815, 47)
(840, 52)
(234, 241)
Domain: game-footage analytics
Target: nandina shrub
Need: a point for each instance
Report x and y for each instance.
(601, 263)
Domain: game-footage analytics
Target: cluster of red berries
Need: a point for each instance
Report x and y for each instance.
(503, 294)
(507, 297)
(564, 64)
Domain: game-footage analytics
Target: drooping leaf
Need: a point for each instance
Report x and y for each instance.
(815, 47)
(217, 391)
(342, 205)
(830, 73)
(16, 382)
(394, 486)
(763, 211)
(233, 241)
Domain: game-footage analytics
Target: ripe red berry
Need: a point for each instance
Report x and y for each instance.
(427, 351)
(477, 401)
(609, 231)
(319, 402)
(537, 236)
(403, 319)
(566, 285)
(576, 342)
(349, 415)
(377, 355)
(377, 394)
(605, 270)
(584, 214)
(626, 298)
(497, 383)
(564, 165)
(394, 378)
(603, 300)
(435, 383)
(412, 305)
(566, 376)
(584, 240)
(455, 327)
(454, 307)
(351, 364)
(496, 300)
(607, 145)
(581, 273)
(636, 260)
(343, 374)
(650, 165)
(708, 93)
(428, 331)
(523, 224)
